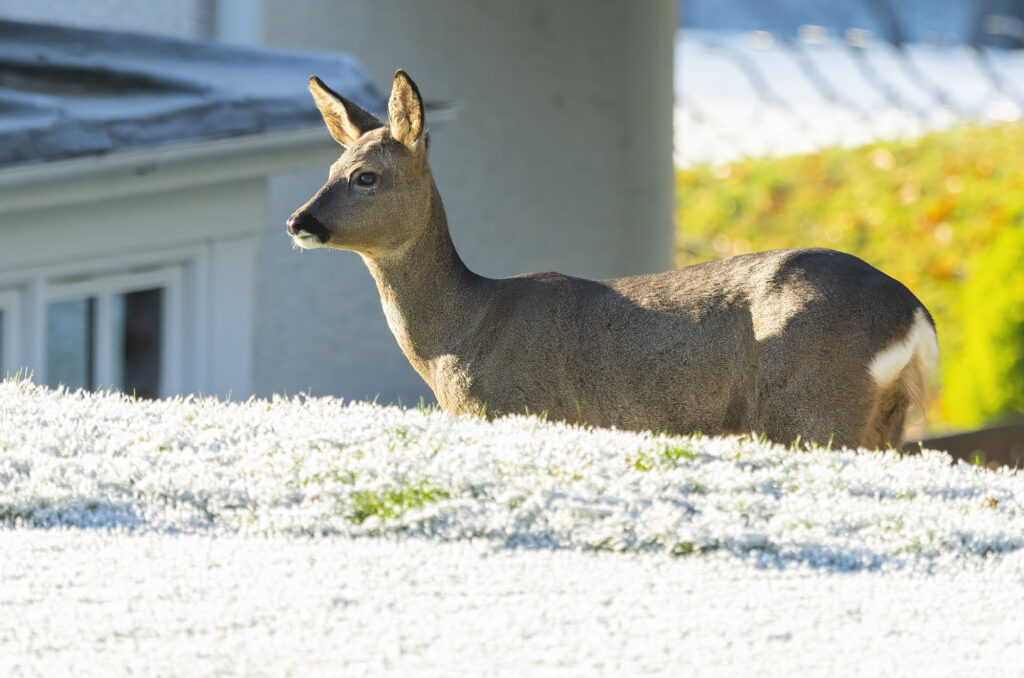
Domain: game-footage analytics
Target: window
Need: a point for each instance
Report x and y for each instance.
(114, 332)
(134, 342)
(8, 327)
(138, 341)
(70, 335)
(157, 323)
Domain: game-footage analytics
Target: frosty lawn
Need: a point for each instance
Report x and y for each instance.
(184, 534)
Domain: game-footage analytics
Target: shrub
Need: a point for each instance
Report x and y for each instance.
(987, 382)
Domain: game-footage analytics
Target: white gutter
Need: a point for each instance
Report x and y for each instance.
(77, 180)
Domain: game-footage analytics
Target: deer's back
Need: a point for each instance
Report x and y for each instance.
(711, 347)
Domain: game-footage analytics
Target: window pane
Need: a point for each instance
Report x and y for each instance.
(69, 343)
(137, 341)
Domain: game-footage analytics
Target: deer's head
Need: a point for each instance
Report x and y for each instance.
(377, 197)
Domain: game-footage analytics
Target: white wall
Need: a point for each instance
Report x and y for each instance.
(142, 219)
(558, 159)
(190, 19)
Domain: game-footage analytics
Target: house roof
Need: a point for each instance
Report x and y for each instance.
(67, 92)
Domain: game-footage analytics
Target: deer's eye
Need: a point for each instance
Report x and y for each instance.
(366, 178)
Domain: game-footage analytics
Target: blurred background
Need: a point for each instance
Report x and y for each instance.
(145, 179)
(887, 129)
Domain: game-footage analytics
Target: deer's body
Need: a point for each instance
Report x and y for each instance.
(805, 343)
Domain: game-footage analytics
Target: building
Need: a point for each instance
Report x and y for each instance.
(135, 191)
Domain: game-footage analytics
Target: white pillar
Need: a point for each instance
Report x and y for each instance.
(238, 22)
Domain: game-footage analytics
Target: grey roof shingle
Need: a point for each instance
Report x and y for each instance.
(66, 92)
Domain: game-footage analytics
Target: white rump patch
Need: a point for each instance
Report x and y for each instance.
(920, 342)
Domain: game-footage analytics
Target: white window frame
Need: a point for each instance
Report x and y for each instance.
(103, 288)
(182, 272)
(10, 306)
(210, 308)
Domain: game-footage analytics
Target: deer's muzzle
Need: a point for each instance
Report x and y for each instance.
(303, 225)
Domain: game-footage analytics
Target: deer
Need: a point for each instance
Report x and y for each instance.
(810, 345)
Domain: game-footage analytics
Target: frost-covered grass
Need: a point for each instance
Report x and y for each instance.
(291, 481)
(320, 467)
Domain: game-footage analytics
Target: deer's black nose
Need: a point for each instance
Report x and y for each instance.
(306, 223)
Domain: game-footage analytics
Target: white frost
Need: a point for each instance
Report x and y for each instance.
(300, 536)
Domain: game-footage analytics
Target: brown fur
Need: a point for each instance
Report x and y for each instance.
(884, 427)
(776, 342)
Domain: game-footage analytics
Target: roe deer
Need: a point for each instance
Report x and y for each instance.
(806, 343)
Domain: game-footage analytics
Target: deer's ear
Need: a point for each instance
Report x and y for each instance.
(405, 113)
(345, 120)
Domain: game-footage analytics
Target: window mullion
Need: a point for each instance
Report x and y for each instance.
(172, 327)
(9, 341)
(33, 330)
(103, 343)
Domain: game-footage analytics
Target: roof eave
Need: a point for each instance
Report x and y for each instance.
(160, 168)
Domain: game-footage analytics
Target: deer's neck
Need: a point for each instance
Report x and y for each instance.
(432, 302)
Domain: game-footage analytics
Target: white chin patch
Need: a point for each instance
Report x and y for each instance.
(307, 241)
